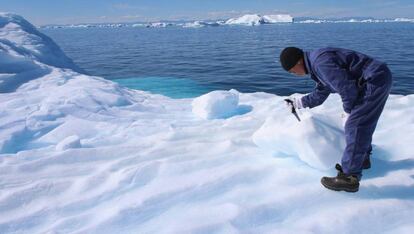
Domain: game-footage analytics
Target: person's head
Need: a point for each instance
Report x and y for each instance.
(292, 60)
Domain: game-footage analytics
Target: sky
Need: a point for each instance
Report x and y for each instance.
(42, 12)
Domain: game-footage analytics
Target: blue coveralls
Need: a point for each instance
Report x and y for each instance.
(363, 84)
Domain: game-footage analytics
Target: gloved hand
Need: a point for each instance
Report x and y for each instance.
(295, 102)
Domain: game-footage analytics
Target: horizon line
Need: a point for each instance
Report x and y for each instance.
(219, 19)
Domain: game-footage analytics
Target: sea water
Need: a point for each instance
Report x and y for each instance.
(187, 62)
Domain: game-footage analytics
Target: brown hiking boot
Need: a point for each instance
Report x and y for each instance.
(341, 182)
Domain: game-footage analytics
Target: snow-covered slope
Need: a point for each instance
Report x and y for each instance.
(80, 154)
(25, 52)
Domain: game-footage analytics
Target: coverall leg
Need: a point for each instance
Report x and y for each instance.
(363, 119)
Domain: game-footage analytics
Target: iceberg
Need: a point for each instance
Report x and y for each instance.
(159, 25)
(248, 20)
(200, 24)
(254, 20)
(137, 25)
(404, 20)
(81, 154)
(273, 19)
(352, 20)
(87, 26)
(311, 21)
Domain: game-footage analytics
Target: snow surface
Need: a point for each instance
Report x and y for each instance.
(81, 154)
(69, 142)
(317, 129)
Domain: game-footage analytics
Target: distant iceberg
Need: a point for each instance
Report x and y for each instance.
(159, 25)
(249, 20)
(138, 25)
(354, 20)
(254, 19)
(200, 24)
(70, 26)
(274, 19)
(404, 20)
(310, 21)
(107, 25)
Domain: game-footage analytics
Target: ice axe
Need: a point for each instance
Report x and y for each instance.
(290, 102)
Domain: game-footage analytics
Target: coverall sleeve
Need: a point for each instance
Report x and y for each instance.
(339, 79)
(316, 97)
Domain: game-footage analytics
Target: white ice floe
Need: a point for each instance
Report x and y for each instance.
(81, 154)
(317, 21)
(404, 20)
(249, 20)
(254, 19)
(200, 24)
(158, 25)
(311, 21)
(273, 19)
(138, 25)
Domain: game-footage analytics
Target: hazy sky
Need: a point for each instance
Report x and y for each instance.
(42, 12)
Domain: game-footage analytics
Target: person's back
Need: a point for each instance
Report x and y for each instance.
(358, 65)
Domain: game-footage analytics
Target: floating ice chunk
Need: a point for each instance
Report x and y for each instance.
(69, 143)
(200, 24)
(404, 20)
(310, 21)
(138, 25)
(317, 140)
(217, 104)
(159, 25)
(273, 19)
(254, 19)
(249, 20)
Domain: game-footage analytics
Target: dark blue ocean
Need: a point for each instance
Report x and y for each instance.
(186, 62)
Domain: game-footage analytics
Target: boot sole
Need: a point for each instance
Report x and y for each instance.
(340, 188)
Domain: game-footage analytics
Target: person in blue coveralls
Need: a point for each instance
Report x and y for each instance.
(363, 83)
